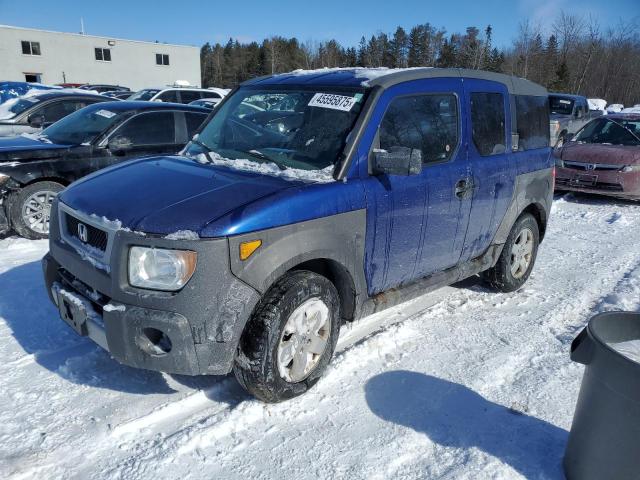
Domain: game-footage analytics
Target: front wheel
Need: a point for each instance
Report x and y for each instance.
(290, 338)
(30, 210)
(518, 256)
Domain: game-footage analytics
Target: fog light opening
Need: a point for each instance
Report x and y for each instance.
(154, 342)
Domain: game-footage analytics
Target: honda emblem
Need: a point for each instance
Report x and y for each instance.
(83, 233)
(591, 166)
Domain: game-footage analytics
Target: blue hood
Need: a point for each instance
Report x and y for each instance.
(20, 143)
(162, 195)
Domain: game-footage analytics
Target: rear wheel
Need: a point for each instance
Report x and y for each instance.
(518, 256)
(30, 210)
(290, 338)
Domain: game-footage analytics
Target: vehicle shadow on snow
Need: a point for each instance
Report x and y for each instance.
(452, 415)
(36, 326)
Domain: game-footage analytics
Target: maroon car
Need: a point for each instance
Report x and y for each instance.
(603, 157)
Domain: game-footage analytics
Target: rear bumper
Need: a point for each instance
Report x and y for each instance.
(613, 183)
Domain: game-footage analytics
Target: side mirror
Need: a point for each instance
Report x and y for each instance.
(36, 120)
(119, 145)
(398, 161)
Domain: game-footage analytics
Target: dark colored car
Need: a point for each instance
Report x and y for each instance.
(102, 88)
(33, 169)
(32, 113)
(358, 189)
(118, 94)
(603, 157)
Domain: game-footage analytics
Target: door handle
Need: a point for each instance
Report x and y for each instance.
(463, 186)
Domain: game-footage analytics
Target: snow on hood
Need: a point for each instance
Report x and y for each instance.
(268, 168)
(164, 195)
(366, 73)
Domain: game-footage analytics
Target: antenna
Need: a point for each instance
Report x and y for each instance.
(81, 26)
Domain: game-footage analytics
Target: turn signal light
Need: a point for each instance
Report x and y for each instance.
(247, 248)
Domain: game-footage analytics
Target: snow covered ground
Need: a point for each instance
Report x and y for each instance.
(463, 384)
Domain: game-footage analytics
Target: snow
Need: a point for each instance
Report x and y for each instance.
(367, 73)
(267, 168)
(183, 235)
(630, 110)
(630, 349)
(597, 104)
(463, 383)
(110, 307)
(615, 107)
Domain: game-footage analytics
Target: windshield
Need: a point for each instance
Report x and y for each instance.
(82, 126)
(294, 128)
(16, 106)
(144, 94)
(612, 132)
(560, 105)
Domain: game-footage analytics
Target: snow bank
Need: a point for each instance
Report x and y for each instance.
(630, 110)
(597, 104)
(267, 168)
(615, 107)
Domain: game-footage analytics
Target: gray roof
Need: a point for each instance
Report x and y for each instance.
(515, 85)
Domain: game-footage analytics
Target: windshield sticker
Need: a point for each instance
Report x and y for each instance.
(105, 113)
(566, 102)
(332, 101)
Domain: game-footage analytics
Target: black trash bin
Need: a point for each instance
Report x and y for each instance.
(604, 442)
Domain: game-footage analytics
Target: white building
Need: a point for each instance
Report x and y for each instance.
(54, 57)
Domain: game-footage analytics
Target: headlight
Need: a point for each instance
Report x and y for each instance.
(4, 179)
(159, 268)
(627, 169)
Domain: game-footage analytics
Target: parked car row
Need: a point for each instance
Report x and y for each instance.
(34, 169)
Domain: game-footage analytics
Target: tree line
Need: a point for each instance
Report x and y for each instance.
(575, 56)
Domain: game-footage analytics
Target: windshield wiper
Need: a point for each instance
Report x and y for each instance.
(206, 149)
(262, 156)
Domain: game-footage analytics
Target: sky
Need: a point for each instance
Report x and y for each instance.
(194, 23)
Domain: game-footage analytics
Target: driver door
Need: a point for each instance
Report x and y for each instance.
(416, 224)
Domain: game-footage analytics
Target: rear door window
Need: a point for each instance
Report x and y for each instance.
(532, 122)
(169, 96)
(56, 110)
(428, 123)
(153, 128)
(188, 96)
(488, 123)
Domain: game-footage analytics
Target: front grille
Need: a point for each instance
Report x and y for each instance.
(96, 238)
(591, 166)
(610, 187)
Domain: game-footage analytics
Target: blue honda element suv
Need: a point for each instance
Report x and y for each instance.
(306, 200)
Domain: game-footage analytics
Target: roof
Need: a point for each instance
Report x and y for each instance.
(124, 105)
(84, 35)
(567, 95)
(386, 77)
(49, 94)
(623, 116)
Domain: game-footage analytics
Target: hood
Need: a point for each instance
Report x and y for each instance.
(598, 153)
(163, 195)
(24, 148)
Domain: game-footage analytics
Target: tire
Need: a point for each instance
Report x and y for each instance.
(32, 200)
(258, 366)
(502, 276)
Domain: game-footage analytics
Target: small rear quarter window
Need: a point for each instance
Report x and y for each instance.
(532, 122)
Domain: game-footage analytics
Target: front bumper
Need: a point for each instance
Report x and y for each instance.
(203, 321)
(603, 182)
